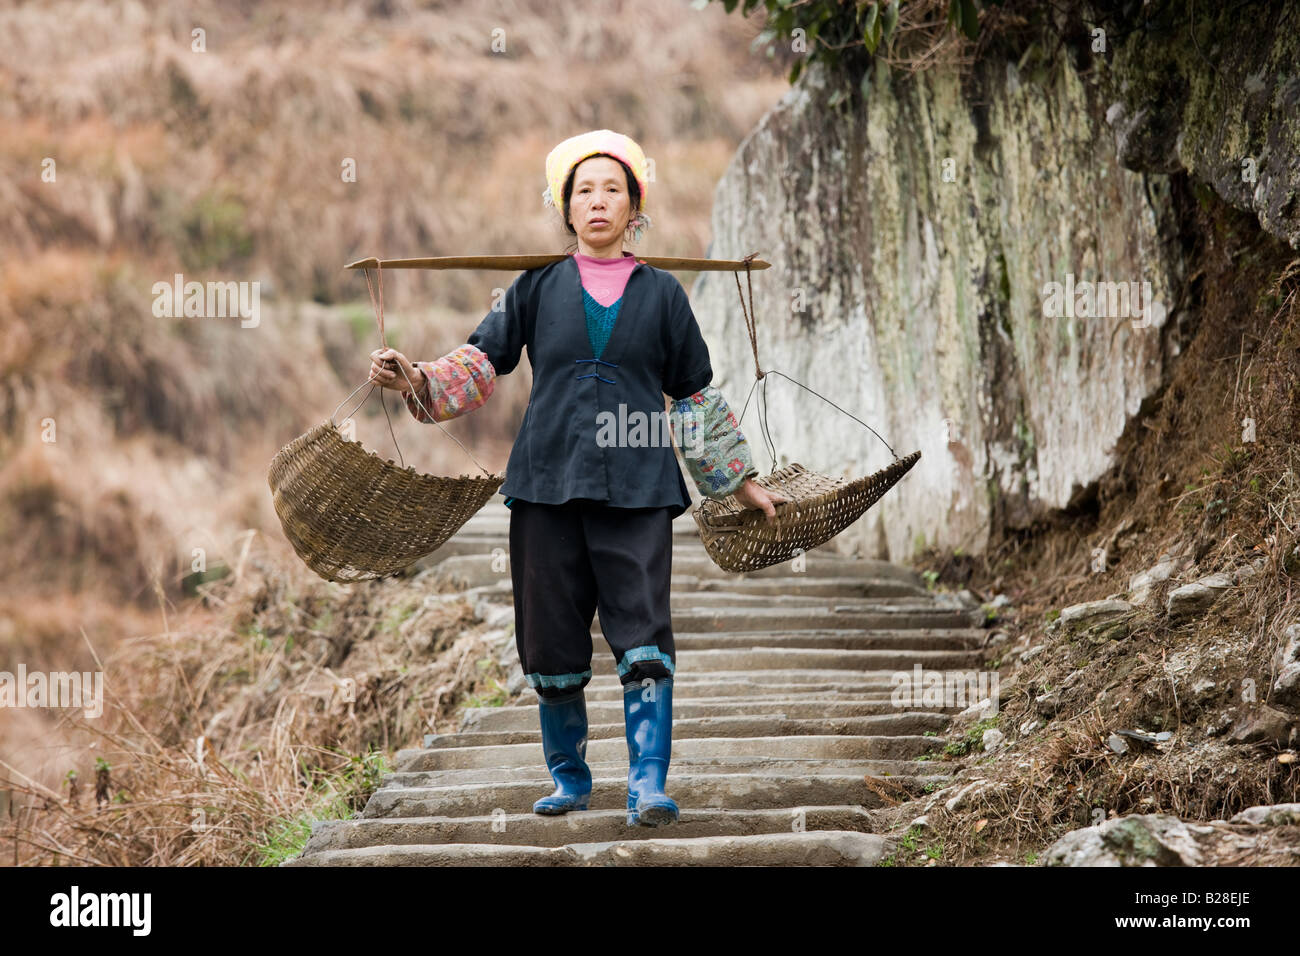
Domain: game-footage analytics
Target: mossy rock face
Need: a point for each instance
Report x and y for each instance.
(938, 210)
(1219, 101)
(1134, 844)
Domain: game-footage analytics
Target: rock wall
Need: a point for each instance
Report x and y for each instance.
(913, 237)
(1218, 97)
(915, 302)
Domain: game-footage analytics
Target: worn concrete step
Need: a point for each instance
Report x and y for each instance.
(686, 546)
(814, 684)
(688, 619)
(810, 848)
(457, 545)
(732, 598)
(687, 766)
(920, 639)
(784, 658)
(692, 682)
(578, 826)
(525, 717)
(768, 790)
(693, 560)
(483, 539)
(862, 746)
(478, 562)
(774, 725)
(798, 584)
(896, 639)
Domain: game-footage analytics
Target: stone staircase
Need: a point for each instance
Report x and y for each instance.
(784, 734)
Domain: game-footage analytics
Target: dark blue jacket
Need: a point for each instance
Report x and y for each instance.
(655, 348)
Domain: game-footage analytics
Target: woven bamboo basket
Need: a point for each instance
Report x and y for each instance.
(353, 516)
(820, 507)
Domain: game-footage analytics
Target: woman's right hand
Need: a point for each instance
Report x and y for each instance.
(384, 371)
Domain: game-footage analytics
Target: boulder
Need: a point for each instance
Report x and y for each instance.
(1264, 724)
(1278, 815)
(1141, 584)
(992, 739)
(1286, 665)
(1102, 620)
(1155, 839)
(1160, 839)
(1194, 599)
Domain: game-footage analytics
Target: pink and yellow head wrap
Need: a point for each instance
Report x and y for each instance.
(568, 154)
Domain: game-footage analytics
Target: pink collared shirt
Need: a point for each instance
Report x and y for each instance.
(605, 279)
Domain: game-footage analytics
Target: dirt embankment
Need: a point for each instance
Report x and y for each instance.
(1205, 482)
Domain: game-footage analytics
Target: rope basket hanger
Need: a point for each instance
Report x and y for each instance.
(737, 538)
(353, 516)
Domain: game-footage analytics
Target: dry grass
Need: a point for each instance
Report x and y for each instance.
(230, 159)
(251, 678)
(127, 441)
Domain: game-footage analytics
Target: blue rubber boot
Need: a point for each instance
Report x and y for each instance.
(649, 746)
(564, 742)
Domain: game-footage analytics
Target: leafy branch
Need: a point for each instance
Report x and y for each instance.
(904, 33)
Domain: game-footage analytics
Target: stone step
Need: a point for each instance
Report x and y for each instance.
(777, 658)
(738, 791)
(691, 559)
(863, 746)
(742, 726)
(686, 618)
(798, 584)
(578, 826)
(919, 639)
(483, 540)
(460, 545)
(694, 682)
(813, 684)
(537, 773)
(477, 562)
(733, 598)
(810, 848)
(525, 717)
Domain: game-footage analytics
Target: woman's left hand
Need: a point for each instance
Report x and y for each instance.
(752, 495)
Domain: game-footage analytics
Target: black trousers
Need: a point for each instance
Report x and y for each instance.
(570, 559)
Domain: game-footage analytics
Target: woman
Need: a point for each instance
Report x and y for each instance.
(591, 512)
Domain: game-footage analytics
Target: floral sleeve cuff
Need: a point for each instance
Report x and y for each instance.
(716, 453)
(457, 383)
